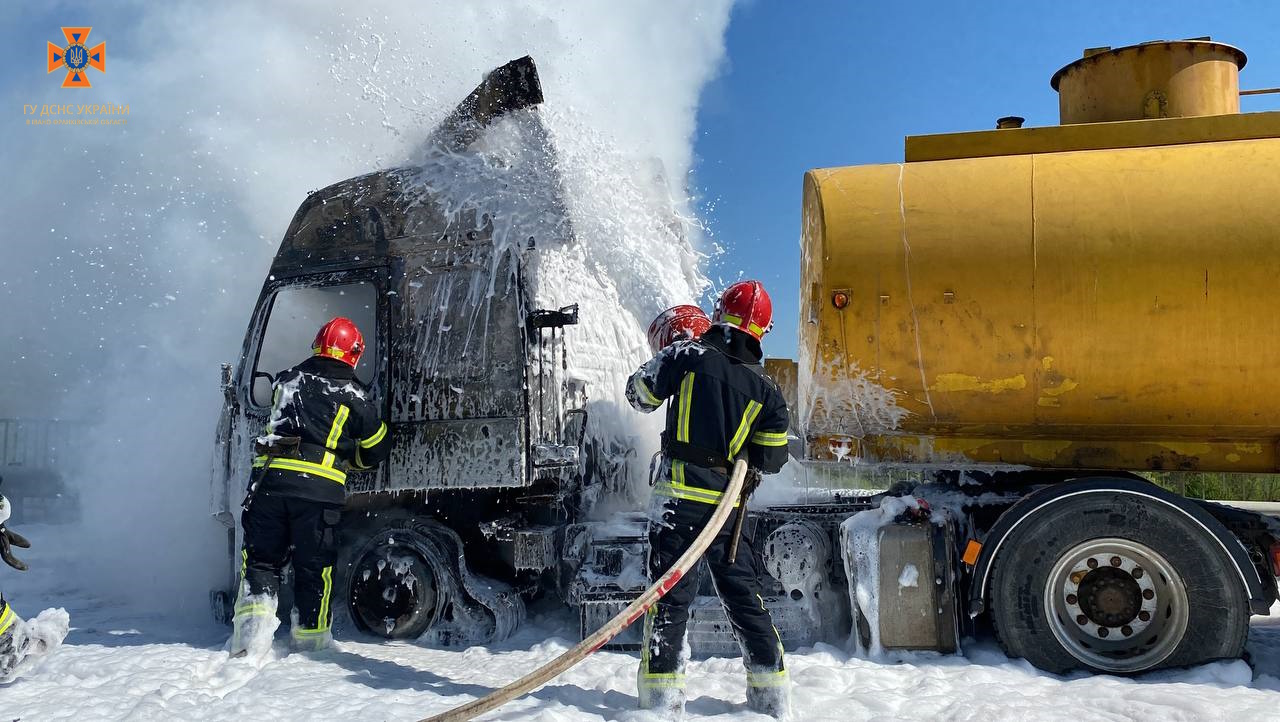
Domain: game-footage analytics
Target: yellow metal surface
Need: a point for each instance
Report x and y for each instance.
(1100, 309)
(783, 372)
(1164, 79)
(1092, 136)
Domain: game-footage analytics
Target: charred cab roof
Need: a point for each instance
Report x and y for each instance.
(367, 219)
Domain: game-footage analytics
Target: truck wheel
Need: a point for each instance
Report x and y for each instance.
(1108, 583)
(388, 578)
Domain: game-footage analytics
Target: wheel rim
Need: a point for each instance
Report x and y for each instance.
(1116, 605)
(393, 591)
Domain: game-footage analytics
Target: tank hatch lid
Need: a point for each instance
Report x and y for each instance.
(1092, 136)
(1093, 56)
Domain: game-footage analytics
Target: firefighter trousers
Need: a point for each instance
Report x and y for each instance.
(279, 530)
(676, 525)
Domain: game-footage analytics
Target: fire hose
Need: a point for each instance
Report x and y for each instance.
(625, 618)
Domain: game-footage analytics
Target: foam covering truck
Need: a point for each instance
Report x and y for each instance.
(1028, 318)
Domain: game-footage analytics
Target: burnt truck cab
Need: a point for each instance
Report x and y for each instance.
(486, 429)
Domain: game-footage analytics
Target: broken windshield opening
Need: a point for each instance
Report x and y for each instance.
(297, 313)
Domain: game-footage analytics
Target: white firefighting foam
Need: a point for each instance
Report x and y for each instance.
(128, 288)
(595, 229)
(119, 664)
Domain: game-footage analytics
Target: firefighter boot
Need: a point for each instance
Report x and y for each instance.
(664, 696)
(254, 625)
(25, 644)
(769, 693)
(307, 639)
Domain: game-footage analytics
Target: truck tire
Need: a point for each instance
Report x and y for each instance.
(1111, 582)
(383, 584)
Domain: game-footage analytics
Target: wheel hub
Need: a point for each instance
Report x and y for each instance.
(1116, 605)
(392, 591)
(1110, 597)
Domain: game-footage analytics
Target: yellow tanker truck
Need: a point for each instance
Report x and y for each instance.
(1053, 309)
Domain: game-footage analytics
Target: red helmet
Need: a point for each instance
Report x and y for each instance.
(675, 323)
(339, 339)
(746, 306)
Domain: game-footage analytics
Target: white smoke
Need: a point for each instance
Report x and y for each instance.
(133, 254)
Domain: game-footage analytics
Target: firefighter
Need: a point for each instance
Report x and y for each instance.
(22, 646)
(723, 408)
(322, 420)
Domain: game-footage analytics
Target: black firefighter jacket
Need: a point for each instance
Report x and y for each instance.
(321, 402)
(721, 401)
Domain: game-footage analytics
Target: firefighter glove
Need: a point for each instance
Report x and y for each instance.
(750, 483)
(8, 540)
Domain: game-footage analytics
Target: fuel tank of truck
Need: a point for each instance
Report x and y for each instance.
(1096, 295)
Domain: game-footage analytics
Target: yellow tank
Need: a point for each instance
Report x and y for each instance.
(1101, 295)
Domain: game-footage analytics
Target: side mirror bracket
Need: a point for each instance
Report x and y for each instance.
(228, 391)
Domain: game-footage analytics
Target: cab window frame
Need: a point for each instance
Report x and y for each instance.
(375, 276)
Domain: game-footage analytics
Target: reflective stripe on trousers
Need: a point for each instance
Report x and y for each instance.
(646, 680)
(6, 618)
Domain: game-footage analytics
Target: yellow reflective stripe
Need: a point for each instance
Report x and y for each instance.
(306, 467)
(680, 490)
(327, 576)
(730, 318)
(776, 633)
(359, 463)
(335, 430)
(377, 436)
(756, 329)
(767, 679)
(253, 610)
(651, 680)
(769, 438)
(744, 426)
(6, 618)
(661, 681)
(275, 403)
(646, 636)
(642, 389)
(304, 632)
(686, 401)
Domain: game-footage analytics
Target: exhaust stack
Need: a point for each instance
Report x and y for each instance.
(513, 86)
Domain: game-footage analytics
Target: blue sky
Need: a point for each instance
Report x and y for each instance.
(820, 84)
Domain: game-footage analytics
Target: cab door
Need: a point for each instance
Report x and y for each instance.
(283, 325)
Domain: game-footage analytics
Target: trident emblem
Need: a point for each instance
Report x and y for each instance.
(76, 58)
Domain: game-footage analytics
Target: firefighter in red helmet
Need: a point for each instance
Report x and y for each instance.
(322, 421)
(675, 323)
(723, 408)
